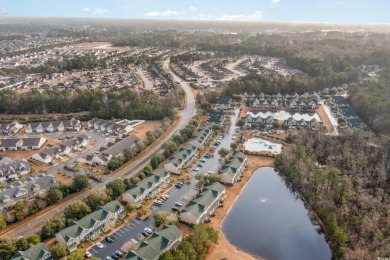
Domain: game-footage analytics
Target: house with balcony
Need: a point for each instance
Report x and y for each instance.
(181, 159)
(203, 206)
(203, 135)
(167, 238)
(36, 252)
(231, 172)
(148, 187)
(88, 228)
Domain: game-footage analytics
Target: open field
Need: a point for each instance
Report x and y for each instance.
(224, 249)
(141, 130)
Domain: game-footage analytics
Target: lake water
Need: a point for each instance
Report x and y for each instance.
(270, 221)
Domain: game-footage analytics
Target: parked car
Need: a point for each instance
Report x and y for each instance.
(196, 169)
(175, 208)
(99, 245)
(207, 155)
(109, 258)
(200, 165)
(108, 239)
(134, 241)
(148, 230)
(158, 202)
(118, 253)
(145, 234)
(162, 198)
(178, 204)
(210, 172)
(166, 196)
(203, 160)
(88, 254)
(178, 185)
(114, 256)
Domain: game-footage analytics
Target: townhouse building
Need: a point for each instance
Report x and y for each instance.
(181, 159)
(88, 228)
(54, 126)
(203, 206)
(117, 128)
(13, 144)
(10, 128)
(13, 170)
(202, 136)
(36, 252)
(232, 170)
(148, 187)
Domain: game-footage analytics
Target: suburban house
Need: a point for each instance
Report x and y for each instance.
(54, 126)
(167, 238)
(203, 135)
(13, 144)
(206, 202)
(64, 148)
(258, 121)
(233, 168)
(116, 149)
(36, 252)
(117, 128)
(13, 170)
(31, 187)
(10, 128)
(146, 188)
(293, 123)
(224, 102)
(215, 117)
(102, 219)
(181, 159)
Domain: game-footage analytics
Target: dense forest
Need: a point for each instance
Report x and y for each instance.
(371, 100)
(346, 180)
(117, 103)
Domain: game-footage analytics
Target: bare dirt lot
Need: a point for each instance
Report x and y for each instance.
(224, 249)
(141, 130)
(325, 119)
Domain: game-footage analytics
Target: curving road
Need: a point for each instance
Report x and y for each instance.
(186, 114)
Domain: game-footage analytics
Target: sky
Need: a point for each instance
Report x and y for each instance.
(331, 11)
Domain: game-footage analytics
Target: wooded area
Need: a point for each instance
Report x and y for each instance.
(345, 179)
(371, 100)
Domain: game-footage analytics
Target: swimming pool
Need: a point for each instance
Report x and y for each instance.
(260, 145)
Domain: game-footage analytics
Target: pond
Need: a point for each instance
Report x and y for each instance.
(269, 220)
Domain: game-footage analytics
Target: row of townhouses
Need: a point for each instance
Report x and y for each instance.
(216, 117)
(258, 121)
(31, 187)
(203, 135)
(346, 112)
(290, 104)
(224, 103)
(203, 206)
(148, 187)
(36, 252)
(117, 128)
(247, 97)
(13, 144)
(10, 171)
(91, 226)
(232, 170)
(54, 126)
(105, 154)
(50, 154)
(181, 159)
(167, 238)
(10, 128)
(302, 123)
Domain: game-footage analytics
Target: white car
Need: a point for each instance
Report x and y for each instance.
(99, 245)
(196, 169)
(134, 241)
(166, 196)
(158, 202)
(88, 254)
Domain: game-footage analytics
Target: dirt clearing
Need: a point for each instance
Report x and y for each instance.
(141, 130)
(325, 119)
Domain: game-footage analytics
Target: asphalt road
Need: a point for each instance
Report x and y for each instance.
(186, 114)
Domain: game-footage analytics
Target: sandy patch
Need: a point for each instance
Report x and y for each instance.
(141, 130)
(325, 119)
(224, 249)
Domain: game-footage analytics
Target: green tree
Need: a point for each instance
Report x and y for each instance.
(80, 182)
(76, 210)
(53, 195)
(148, 168)
(7, 247)
(223, 152)
(78, 254)
(234, 146)
(59, 251)
(34, 239)
(160, 217)
(117, 187)
(3, 223)
(131, 207)
(97, 198)
(154, 162)
(22, 244)
(20, 209)
(52, 226)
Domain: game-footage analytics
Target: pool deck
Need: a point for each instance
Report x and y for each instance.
(277, 148)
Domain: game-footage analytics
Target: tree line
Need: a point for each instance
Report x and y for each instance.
(345, 179)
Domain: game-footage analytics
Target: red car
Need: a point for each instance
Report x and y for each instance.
(162, 198)
(175, 208)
